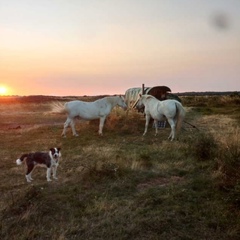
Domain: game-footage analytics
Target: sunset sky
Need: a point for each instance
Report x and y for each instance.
(95, 47)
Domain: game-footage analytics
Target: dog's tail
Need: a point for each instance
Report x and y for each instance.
(20, 160)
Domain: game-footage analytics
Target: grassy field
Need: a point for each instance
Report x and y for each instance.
(123, 185)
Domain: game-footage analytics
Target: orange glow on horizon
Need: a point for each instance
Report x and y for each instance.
(4, 90)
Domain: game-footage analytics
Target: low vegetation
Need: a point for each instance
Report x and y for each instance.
(123, 185)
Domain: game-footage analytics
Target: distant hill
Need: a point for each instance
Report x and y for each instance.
(44, 98)
(208, 93)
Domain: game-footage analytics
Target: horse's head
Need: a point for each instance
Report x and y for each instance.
(121, 102)
(139, 103)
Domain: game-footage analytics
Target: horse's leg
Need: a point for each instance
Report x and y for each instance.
(156, 126)
(173, 126)
(66, 124)
(73, 128)
(101, 124)
(146, 124)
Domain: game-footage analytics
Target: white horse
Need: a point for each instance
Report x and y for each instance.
(98, 109)
(159, 110)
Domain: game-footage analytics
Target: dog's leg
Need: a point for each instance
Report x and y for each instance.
(54, 169)
(49, 174)
(29, 172)
(30, 175)
(28, 178)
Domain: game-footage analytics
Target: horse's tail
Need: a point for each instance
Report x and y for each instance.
(58, 107)
(179, 115)
(20, 160)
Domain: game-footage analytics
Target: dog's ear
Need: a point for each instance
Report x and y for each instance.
(59, 149)
(51, 149)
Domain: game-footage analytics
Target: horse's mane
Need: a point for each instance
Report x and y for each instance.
(112, 99)
(146, 96)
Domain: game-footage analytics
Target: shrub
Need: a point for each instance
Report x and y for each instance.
(142, 161)
(227, 172)
(204, 147)
(228, 163)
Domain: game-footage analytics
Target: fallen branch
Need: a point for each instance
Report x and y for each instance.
(191, 125)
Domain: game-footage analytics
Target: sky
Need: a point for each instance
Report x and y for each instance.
(96, 47)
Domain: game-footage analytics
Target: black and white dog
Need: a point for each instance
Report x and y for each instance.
(50, 160)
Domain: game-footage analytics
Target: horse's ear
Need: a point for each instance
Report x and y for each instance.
(149, 96)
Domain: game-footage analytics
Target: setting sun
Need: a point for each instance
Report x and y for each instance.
(3, 90)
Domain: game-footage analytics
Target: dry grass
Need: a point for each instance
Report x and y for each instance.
(121, 185)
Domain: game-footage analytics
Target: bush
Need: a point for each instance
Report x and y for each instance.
(204, 147)
(228, 163)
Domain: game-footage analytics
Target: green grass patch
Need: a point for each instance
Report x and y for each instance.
(123, 185)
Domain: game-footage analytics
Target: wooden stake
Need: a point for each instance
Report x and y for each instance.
(142, 88)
